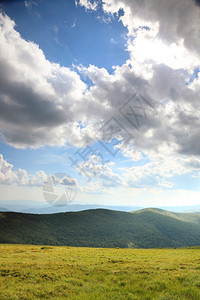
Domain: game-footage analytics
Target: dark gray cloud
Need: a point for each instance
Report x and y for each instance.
(35, 95)
(177, 19)
(197, 2)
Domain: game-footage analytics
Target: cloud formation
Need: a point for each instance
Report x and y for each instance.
(169, 21)
(37, 96)
(87, 4)
(19, 177)
(156, 171)
(160, 172)
(164, 52)
(150, 100)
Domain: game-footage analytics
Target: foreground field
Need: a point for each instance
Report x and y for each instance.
(32, 272)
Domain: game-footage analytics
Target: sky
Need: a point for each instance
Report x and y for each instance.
(100, 99)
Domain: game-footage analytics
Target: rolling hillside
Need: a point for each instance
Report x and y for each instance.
(148, 228)
(187, 217)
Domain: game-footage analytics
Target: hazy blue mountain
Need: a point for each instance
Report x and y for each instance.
(37, 207)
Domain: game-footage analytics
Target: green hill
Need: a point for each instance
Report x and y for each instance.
(187, 217)
(148, 228)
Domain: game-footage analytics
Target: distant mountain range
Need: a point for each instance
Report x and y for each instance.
(146, 228)
(36, 207)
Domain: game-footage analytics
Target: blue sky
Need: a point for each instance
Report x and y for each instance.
(66, 32)
(70, 68)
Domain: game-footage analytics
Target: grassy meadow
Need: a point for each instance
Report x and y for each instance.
(36, 272)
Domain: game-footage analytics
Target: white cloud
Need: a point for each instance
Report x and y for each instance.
(130, 152)
(19, 177)
(29, 3)
(96, 168)
(92, 187)
(73, 24)
(36, 95)
(6, 173)
(104, 19)
(62, 179)
(159, 171)
(170, 127)
(159, 32)
(152, 170)
(171, 20)
(88, 4)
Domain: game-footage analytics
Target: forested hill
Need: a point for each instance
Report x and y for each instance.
(147, 228)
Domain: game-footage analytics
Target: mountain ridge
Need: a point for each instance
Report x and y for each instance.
(100, 228)
(186, 217)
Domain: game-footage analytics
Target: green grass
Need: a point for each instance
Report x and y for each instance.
(49, 272)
